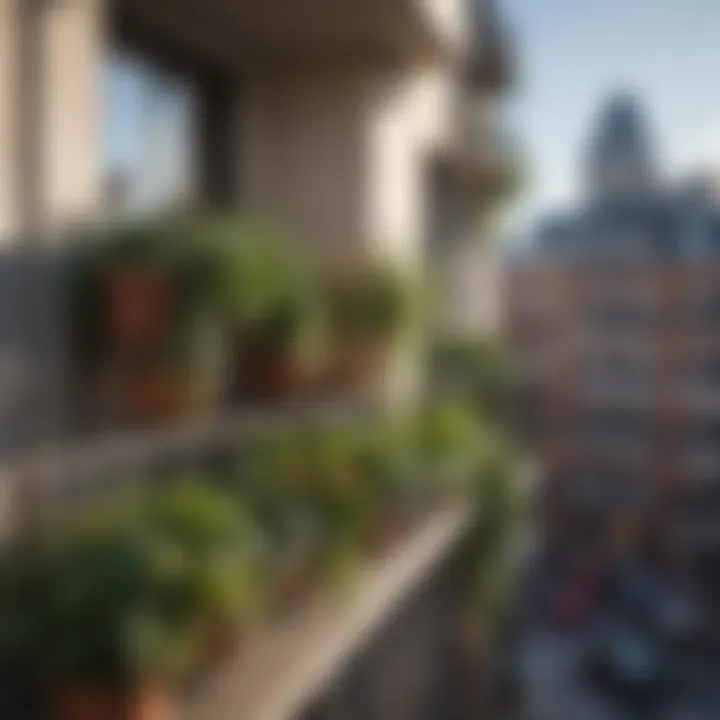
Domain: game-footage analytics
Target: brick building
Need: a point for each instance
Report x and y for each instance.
(614, 310)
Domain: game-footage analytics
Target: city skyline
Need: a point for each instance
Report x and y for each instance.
(573, 56)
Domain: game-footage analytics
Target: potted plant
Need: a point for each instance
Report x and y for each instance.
(448, 440)
(381, 453)
(276, 350)
(475, 369)
(111, 615)
(142, 300)
(272, 307)
(223, 553)
(341, 497)
(272, 480)
(368, 306)
(103, 638)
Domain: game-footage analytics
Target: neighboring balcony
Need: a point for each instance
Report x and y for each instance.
(483, 155)
(491, 65)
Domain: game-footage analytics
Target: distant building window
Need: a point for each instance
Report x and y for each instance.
(706, 309)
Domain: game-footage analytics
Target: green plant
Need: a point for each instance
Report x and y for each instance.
(126, 597)
(222, 546)
(98, 608)
(447, 438)
(497, 503)
(475, 369)
(370, 303)
(152, 288)
(311, 489)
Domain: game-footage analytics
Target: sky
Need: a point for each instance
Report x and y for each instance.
(572, 54)
(148, 129)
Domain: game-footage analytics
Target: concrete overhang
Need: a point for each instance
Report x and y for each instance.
(246, 36)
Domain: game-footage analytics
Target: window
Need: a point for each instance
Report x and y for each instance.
(149, 137)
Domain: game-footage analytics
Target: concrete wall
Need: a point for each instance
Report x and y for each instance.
(450, 18)
(73, 43)
(50, 58)
(343, 156)
(304, 155)
(8, 129)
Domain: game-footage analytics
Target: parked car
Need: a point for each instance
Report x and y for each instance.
(575, 597)
(625, 660)
(649, 602)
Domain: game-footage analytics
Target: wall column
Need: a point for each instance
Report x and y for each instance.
(9, 29)
(71, 46)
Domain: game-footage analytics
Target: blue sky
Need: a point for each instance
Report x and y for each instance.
(147, 131)
(573, 53)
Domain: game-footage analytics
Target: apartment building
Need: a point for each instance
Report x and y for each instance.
(614, 310)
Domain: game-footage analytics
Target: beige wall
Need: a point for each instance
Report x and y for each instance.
(450, 18)
(304, 155)
(343, 156)
(49, 161)
(8, 105)
(412, 117)
(73, 41)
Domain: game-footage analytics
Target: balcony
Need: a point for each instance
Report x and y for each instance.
(309, 653)
(275, 34)
(483, 155)
(491, 60)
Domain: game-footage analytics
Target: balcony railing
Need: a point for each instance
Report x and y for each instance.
(307, 665)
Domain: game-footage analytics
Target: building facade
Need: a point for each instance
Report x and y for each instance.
(614, 312)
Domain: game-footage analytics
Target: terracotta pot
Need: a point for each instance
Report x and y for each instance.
(94, 701)
(293, 582)
(268, 375)
(384, 531)
(357, 364)
(223, 642)
(137, 305)
(154, 393)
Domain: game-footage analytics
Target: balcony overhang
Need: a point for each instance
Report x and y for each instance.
(246, 36)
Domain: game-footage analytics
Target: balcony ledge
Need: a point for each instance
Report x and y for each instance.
(287, 666)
